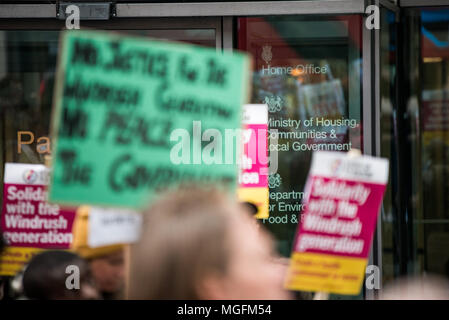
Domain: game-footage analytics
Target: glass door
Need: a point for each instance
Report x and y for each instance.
(416, 229)
(308, 69)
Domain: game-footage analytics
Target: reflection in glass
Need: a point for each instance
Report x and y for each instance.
(433, 224)
(308, 71)
(416, 237)
(388, 105)
(202, 37)
(27, 65)
(27, 70)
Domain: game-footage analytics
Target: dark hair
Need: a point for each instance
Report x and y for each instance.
(45, 276)
(250, 207)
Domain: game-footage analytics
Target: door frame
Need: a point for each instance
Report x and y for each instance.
(422, 3)
(214, 23)
(372, 123)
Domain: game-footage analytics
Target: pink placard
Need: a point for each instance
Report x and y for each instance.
(254, 171)
(27, 219)
(339, 217)
(343, 196)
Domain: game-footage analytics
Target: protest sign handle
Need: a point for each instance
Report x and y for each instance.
(47, 160)
(353, 153)
(321, 296)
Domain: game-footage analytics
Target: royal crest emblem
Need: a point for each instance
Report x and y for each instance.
(267, 55)
(274, 103)
(274, 180)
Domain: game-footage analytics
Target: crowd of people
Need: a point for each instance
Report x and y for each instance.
(196, 243)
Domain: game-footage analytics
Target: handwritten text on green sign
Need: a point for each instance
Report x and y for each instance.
(118, 99)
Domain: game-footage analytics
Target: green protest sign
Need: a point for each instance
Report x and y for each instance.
(126, 113)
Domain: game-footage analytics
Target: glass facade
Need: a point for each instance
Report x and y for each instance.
(308, 71)
(431, 228)
(416, 225)
(388, 136)
(27, 70)
(311, 71)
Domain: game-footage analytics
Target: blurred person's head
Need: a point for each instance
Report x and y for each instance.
(417, 288)
(107, 262)
(198, 243)
(46, 277)
(109, 273)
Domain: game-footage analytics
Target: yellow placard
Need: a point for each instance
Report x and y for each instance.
(327, 273)
(258, 197)
(13, 259)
